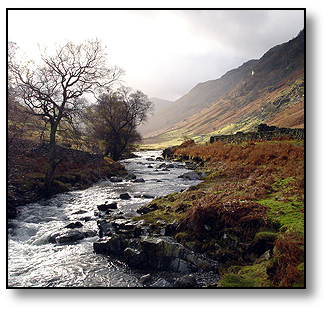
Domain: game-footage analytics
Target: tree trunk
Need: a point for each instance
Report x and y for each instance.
(49, 179)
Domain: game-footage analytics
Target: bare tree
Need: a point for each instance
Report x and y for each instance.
(55, 89)
(113, 121)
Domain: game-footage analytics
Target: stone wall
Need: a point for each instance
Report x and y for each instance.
(264, 132)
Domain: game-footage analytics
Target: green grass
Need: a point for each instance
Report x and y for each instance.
(288, 214)
(248, 276)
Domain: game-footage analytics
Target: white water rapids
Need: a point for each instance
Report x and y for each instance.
(34, 262)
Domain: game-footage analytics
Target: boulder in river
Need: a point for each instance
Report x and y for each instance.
(113, 245)
(125, 196)
(106, 206)
(135, 257)
(190, 176)
(115, 179)
(74, 225)
(70, 236)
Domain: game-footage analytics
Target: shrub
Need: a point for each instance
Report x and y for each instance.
(245, 217)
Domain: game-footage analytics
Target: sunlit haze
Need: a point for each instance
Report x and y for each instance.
(165, 53)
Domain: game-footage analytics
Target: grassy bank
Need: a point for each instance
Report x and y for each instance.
(27, 165)
(248, 213)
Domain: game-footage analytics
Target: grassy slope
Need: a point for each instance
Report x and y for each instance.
(251, 201)
(281, 105)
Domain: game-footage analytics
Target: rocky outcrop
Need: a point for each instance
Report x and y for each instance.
(149, 252)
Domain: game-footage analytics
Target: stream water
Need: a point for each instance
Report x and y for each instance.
(34, 262)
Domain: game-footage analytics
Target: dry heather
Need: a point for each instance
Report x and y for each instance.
(252, 187)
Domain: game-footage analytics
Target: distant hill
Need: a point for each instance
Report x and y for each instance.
(159, 103)
(267, 90)
(149, 127)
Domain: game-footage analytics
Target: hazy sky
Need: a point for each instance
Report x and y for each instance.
(165, 53)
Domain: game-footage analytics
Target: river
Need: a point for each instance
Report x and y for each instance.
(34, 262)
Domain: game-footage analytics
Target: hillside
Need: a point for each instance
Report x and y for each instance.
(159, 104)
(269, 90)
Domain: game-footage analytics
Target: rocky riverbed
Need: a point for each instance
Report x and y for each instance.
(88, 238)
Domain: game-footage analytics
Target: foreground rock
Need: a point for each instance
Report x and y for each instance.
(187, 281)
(158, 253)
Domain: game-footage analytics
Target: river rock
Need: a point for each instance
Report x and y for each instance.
(105, 227)
(139, 180)
(187, 281)
(145, 279)
(161, 283)
(134, 257)
(70, 236)
(74, 225)
(167, 153)
(125, 196)
(190, 176)
(81, 211)
(148, 208)
(105, 207)
(115, 179)
(164, 253)
(113, 245)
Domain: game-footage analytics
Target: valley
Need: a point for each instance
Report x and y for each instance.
(269, 90)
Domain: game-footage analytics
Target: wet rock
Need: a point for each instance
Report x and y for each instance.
(167, 153)
(164, 253)
(86, 219)
(81, 211)
(161, 283)
(190, 176)
(145, 279)
(74, 225)
(125, 196)
(115, 179)
(148, 196)
(106, 206)
(187, 281)
(171, 227)
(105, 227)
(148, 208)
(134, 257)
(113, 245)
(69, 237)
(139, 180)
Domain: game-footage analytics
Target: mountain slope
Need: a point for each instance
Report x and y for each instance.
(268, 90)
(202, 95)
(159, 104)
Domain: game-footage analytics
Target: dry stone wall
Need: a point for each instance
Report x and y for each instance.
(264, 132)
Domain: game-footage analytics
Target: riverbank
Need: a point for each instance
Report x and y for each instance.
(27, 165)
(248, 213)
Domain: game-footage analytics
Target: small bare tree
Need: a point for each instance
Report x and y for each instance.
(54, 90)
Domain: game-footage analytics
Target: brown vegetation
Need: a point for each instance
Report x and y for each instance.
(255, 192)
(27, 165)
